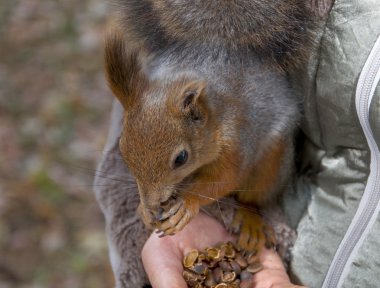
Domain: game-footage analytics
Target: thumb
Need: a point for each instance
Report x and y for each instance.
(162, 263)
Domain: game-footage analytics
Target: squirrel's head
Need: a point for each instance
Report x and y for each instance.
(169, 131)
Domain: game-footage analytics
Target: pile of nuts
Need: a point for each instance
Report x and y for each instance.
(224, 266)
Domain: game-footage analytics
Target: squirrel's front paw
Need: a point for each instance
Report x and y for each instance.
(176, 217)
(253, 233)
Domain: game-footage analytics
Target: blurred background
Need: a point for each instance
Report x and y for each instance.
(54, 116)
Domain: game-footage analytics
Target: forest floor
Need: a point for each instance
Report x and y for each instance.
(54, 117)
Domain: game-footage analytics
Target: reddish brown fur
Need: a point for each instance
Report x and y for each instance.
(260, 185)
(122, 68)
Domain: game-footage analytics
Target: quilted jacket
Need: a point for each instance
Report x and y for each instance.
(338, 189)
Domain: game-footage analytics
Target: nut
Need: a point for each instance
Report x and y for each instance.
(200, 268)
(235, 267)
(245, 275)
(228, 250)
(214, 254)
(191, 276)
(210, 281)
(217, 274)
(190, 258)
(225, 265)
(228, 277)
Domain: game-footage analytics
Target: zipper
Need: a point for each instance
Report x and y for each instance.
(369, 205)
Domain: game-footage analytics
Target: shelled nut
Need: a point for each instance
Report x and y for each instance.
(224, 266)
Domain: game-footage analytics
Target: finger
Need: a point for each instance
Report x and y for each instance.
(162, 263)
(271, 260)
(274, 273)
(271, 278)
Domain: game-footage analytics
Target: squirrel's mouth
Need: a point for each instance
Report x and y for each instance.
(171, 205)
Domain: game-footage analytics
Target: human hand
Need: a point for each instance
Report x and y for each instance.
(162, 257)
(273, 274)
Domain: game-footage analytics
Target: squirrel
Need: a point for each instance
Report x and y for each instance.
(209, 111)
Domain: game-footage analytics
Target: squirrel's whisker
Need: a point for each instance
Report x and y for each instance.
(229, 203)
(103, 174)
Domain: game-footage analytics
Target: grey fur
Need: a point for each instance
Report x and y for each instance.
(277, 108)
(117, 195)
(277, 31)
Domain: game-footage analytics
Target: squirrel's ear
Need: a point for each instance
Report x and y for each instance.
(192, 94)
(192, 101)
(122, 68)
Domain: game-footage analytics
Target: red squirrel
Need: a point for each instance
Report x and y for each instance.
(209, 111)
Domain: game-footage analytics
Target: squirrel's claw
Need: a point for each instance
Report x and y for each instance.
(160, 233)
(173, 220)
(177, 220)
(163, 215)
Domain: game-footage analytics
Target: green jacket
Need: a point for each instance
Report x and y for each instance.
(336, 157)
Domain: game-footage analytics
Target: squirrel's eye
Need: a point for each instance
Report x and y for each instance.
(181, 159)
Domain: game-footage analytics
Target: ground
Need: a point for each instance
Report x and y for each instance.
(54, 116)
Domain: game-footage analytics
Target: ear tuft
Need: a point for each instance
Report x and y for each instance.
(122, 68)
